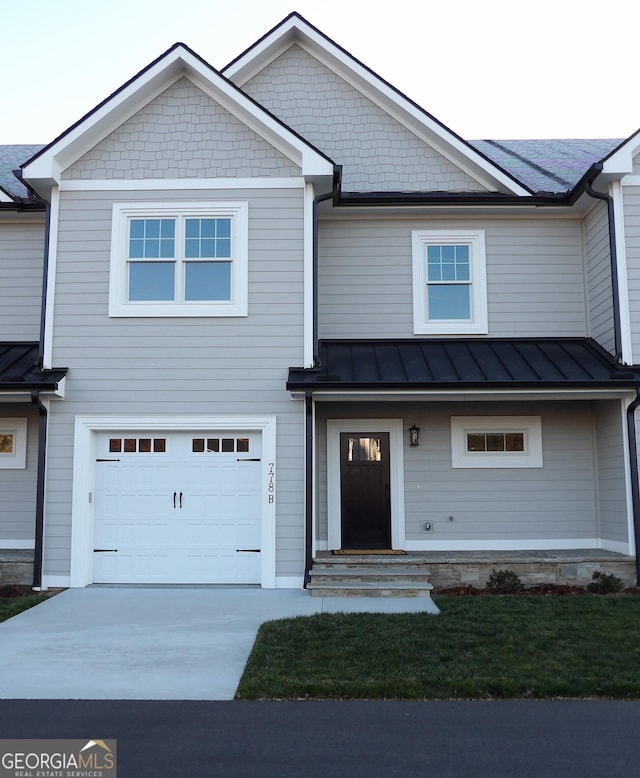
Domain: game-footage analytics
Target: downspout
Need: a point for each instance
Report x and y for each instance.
(332, 195)
(42, 461)
(38, 549)
(308, 492)
(635, 487)
(613, 254)
(308, 397)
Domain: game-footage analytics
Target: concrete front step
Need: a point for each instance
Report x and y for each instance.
(369, 589)
(367, 576)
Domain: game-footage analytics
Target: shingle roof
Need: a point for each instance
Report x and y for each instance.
(547, 165)
(561, 363)
(11, 157)
(19, 369)
(542, 165)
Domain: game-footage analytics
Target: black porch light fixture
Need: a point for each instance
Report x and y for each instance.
(414, 435)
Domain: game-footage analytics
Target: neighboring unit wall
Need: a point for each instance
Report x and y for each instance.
(377, 152)
(612, 488)
(18, 486)
(555, 503)
(21, 262)
(534, 276)
(598, 276)
(176, 366)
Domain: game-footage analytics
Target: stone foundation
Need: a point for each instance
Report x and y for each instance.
(16, 567)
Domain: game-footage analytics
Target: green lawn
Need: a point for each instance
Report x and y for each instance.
(477, 648)
(11, 606)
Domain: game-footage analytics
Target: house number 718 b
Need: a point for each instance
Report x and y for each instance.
(271, 487)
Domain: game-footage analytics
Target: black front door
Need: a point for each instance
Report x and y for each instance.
(365, 507)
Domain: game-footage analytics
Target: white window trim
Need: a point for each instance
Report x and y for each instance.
(120, 306)
(530, 426)
(396, 472)
(17, 459)
(478, 323)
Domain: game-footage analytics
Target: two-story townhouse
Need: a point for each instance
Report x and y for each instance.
(300, 315)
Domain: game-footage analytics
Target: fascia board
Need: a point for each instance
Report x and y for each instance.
(122, 105)
(377, 90)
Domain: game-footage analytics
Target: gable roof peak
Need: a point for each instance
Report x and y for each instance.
(294, 28)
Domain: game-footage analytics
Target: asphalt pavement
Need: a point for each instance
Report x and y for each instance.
(305, 739)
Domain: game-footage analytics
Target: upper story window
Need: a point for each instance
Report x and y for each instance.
(179, 259)
(449, 282)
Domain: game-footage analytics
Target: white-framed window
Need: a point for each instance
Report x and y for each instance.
(496, 441)
(179, 259)
(13, 444)
(449, 282)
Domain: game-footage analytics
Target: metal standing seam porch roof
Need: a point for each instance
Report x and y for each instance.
(19, 369)
(501, 363)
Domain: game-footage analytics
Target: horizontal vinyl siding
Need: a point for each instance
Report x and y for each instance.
(612, 493)
(21, 263)
(556, 501)
(18, 487)
(534, 276)
(598, 273)
(631, 195)
(176, 366)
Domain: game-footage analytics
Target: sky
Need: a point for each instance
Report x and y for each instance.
(486, 68)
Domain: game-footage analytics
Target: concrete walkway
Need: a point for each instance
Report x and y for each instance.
(152, 643)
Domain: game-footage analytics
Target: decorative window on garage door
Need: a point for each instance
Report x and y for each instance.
(220, 445)
(135, 445)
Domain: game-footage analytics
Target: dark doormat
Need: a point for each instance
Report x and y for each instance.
(370, 551)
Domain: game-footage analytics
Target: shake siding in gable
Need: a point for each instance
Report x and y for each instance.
(376, 151)
(598, 277)
(632, 237)
(534, 276)
(21, 261)
(183, 133)
(173, 366)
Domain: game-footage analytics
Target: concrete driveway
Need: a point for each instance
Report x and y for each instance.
(154, 643)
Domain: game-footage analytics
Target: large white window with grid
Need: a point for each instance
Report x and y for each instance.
(449, 282)
(179, 259)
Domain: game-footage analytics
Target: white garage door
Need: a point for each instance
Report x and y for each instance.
(179, 507)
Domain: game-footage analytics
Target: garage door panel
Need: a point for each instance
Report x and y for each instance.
(217, 512)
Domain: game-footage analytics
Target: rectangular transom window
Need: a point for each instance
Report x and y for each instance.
(496, 441)
(179, 259)
(449, 282)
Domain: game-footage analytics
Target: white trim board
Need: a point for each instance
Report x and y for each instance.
(396, 471)
(562, 544)
(82, 510)
(161, 184)
(23, 544)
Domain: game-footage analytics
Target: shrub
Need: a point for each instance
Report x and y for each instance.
(605, 583)
(504, 582)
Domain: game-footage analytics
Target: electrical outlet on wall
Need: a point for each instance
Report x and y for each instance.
(427, 526)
